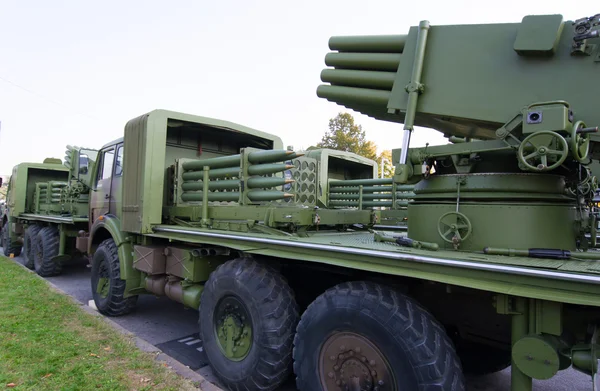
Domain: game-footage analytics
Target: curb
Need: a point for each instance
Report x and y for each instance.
(145, 346)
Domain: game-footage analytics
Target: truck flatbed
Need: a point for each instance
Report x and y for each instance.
(569, 281)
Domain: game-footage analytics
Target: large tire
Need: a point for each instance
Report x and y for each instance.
(46, 248)
(29, 243)
(372, 335)
(8, 246)
(263, 312)
(108, 289)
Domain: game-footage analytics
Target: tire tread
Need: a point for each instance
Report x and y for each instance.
(436, 365)
(8, 246)
(118, 304)
(29, 242)
(279, 314)
(48, 238)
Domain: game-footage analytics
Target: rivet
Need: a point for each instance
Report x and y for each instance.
(330, 374)
(336, 367)
(372, 362)
(332, 358)
(373, 373)
(380, 382)
(342, 347)
(364, 359)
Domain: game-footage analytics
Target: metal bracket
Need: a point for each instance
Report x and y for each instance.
(506, 130)
(505, 305)
(415, 87)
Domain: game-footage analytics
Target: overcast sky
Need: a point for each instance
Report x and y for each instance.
(74, 72)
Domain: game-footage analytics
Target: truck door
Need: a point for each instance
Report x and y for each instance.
(116, 184)
(100, 202)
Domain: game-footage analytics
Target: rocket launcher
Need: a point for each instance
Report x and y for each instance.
(80, 161)
(468, 81)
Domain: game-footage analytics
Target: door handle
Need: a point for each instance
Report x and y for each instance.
(106, 196)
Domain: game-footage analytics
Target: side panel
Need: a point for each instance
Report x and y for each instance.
(23, 180)
(145, 154)
(464, 63)
(143, 173)
(135, 137)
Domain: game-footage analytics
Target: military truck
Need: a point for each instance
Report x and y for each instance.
(48, 206)
(287, 256)
(497, 267)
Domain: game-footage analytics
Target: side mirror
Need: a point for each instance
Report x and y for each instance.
(83, 164)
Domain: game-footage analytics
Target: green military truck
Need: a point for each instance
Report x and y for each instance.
(47, 210)
(287, 256)
(497, 266)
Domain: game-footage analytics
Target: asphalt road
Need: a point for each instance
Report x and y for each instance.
(172, 328)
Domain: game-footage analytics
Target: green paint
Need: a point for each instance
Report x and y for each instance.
(233, 328)
(490, 211)
(103, 286)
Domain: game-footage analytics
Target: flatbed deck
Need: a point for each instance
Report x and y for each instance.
(568, 281)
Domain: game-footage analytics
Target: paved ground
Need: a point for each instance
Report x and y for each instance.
(172, 328)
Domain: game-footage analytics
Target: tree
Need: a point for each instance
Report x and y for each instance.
(388, 165)
(345, 135)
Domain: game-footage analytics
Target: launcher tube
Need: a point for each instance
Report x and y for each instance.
(369, 43)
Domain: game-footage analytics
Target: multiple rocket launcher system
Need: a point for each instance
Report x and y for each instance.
(516, 100)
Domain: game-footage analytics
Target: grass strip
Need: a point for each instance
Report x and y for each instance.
(48, 343)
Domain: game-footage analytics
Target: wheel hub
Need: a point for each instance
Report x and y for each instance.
(103, 284)
(350, 362)
(233, 328)
(102, 287)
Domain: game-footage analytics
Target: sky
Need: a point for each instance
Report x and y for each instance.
(74, 72)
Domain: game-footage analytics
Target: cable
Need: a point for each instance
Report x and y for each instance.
(45, 98)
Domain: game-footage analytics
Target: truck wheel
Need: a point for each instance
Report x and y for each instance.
(46, 248)
(9, 248)
(248, 315)
(29, 242)
(108, 289)
(368, 337)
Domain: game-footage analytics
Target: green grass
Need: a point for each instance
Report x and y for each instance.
(48, 343)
